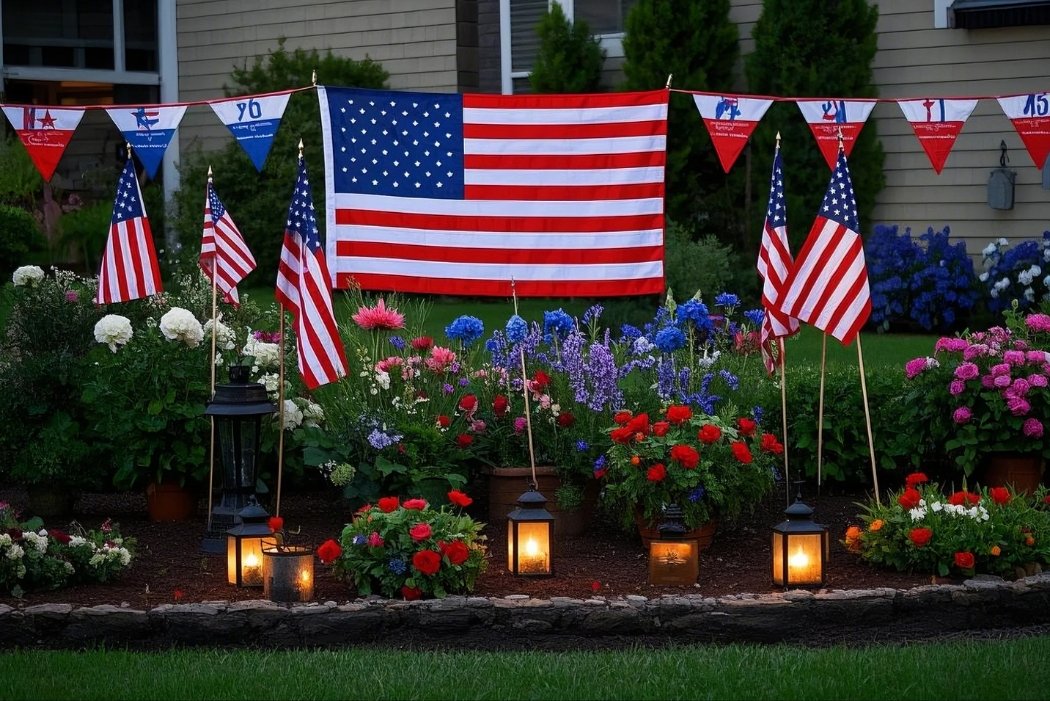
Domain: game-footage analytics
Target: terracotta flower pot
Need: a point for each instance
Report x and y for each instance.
(704, 535)
(1022, 471)
(167, 501)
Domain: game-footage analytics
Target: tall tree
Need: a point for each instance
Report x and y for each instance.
(694, 41)
(570, 58)
(812, 48)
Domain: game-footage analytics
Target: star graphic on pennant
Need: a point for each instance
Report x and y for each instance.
(47, 121)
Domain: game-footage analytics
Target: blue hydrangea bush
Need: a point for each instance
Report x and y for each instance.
(1021, 273)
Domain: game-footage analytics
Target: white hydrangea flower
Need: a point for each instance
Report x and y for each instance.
(15, 552)
(225, 337)
(383, 379)
(179, 324)
(988, 250)
(27, 276)
(313, 414)
(983, 277)
(293, 415)
(36, 540)
(69, 567)
(271, 381)
(5, 540)
(267, 355)
(114, 330)
(76, 541)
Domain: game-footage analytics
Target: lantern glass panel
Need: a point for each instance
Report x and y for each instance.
(803, 556)
(529, 547)
(244, 553)
(674, 562)
(238, 444)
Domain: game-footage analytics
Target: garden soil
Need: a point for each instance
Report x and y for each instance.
(170, 567)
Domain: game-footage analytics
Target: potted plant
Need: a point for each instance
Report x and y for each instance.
(711, 468)
(984, 394)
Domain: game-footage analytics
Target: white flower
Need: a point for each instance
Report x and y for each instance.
(27, 276)
(267, 355)
(917, 514)
(1002, 241)
(5, 540)
(15, 552)
(114, 330)
(179, 324)
(270, 381)
(225, 337)
(69, 567)
(988, 250)
(983, 277)
(293, 415)
(313, 414)
(383, 379)
(76, 541)
(36, 540)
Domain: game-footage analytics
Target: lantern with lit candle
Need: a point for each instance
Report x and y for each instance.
(673, 559)
(800, 548)
(288, 572)
(529, 535)
(244, 543)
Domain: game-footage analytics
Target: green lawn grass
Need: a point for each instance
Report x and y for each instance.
(1010, 669)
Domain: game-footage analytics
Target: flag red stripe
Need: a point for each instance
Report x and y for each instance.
(810, 265)
(854, 292)
(508, 224)
(563, 101)
(575, 256)
(575, 193)
(574, 131)
(501, 288)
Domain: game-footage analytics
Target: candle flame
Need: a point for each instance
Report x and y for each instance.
(532, 548)
(250, 560)
(304, 576)
(799, 560)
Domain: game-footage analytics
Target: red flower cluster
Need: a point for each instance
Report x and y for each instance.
(1000, 495)
(909, 498)
(920, 536)
(965, 561)
(964, 499)
(459, 499)
(329, 551)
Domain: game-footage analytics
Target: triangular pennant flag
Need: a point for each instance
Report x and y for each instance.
(253, 120)
(730, 119)
(148, 128)
(1030, 115)
(937, 122)
(45, 132)
(827, 118)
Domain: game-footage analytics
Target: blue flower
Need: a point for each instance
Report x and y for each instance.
(669, 339)
(358, 539)
(696, 312)
(558, 322)
(727, 299)
(697, 494)
(379, 440)
(397, 342)
(466, 329)
(629, 333)
(582, 446)
(755, 316)
(397, 565)
(516, 329)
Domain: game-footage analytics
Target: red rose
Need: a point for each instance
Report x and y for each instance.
(388, 504)
(909, 498)
(964, 561)
(459, 499)
(622, 417)
(422, 343)
(964, 498)
(444, 421)
(915, 479)
(685, 455)
(709, 434)
(61, 536)
(500, 405)
(1000, 495)
(415, 504)
(678, 414)
(540, 381)
(741, 452)
(468, 403)
(660, 428)
(746, 426)
(656, 473)
(770, 444)
(411, 593)
(329, 551)
(457, 551)
(622, 435)
(639, 424)
(565, 419)
(275, 523)
(464, 440)
(920, 536)
(420, 531)
(427, 562)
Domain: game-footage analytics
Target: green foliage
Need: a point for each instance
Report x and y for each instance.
(258, 202)
(569, 59)
(20, 181)
(698, 44)
(88, 228)
(20, 237)
(803, 48)
(705, 264)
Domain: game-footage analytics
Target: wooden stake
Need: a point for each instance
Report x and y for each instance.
(280, 413)
(525, 394)
(820, 410)
(867, 422)
(784, 417)
(214, 329)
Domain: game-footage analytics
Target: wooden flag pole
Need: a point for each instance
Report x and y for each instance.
(525, 394)
(280, 412)
(784, 416)
(867, 421)
(820, 409)
(214, 329)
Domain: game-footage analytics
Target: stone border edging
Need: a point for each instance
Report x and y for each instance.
(980, 605)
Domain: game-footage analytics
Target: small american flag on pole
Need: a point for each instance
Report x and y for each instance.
(774, 266)
(461, 193)
(304, 287)
(224, 254)
(129, 264)
(829, 285)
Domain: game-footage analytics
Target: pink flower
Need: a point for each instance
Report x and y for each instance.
(1033, 428)
(967, 371)
(1039, 323)
(375, 540)
(440, 359)
(1000, 369)
(1035, 356)
(1019, 387)
(1018, 406)
(72, 295)
(1001, 381)
(379, 317)
(519, 424)
(1014, 357)
(976, 350)
(914, 367)
(956, 387)
(1037, 380)
(962, 415)
(386, 364)
(950, 344)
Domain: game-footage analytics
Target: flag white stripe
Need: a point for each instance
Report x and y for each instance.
(843, 288)
(807, 269)
(473, 239)
(501, 271)
(499, 208)
(568, 116)
(614, 176)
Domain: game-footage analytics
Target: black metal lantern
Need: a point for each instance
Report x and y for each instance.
(673, 559)
(237, 410)
(244, 546)
(529, 529)
(800, 548)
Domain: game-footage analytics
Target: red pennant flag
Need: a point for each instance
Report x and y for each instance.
(937, 123)
(827, 118)
(1030, 115)
(45, 131)
(730, 119)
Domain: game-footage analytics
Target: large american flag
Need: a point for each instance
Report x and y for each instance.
(774, 266)
(829, 285)
(304, 287)
(460, 194)
(224, 254)
(129, 264)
